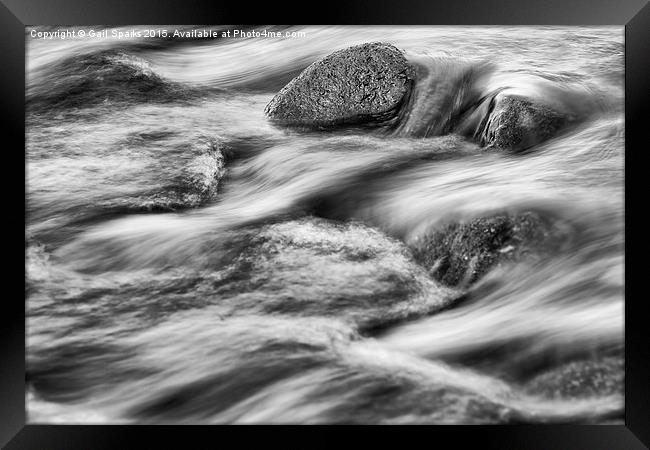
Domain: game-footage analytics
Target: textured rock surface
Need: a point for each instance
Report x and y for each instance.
(196, 184)
(581, 379)
(517, 123)
(360, 84)
(461, 253)
(152, 174)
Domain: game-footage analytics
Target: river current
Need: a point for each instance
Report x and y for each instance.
(188, 261)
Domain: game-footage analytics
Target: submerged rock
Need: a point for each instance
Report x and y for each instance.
(195, 183)
(317, 267)
(186, 176)
(517, 123)
(517, 111)
(360, 84)
(97, 78)
(461, 253)
(145, 172)
(580, 379)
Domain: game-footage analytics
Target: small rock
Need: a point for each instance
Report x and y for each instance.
(517, 123)
(580, 379)
(461, 253)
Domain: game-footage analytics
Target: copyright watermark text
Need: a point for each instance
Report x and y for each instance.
(203, 33)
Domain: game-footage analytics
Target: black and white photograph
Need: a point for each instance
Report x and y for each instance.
(368, 224)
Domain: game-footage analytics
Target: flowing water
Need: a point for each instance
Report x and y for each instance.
(190, 262)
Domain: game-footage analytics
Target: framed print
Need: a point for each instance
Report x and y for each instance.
(408, 214)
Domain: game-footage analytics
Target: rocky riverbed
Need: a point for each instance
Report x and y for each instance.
(360, 225)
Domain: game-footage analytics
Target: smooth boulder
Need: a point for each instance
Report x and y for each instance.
(361, 84)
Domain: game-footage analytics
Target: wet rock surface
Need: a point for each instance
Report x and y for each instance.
(517, 123)
(149, 172)
(370, 84)
(94, 79)
(194, 183)
(242, 307)
(360, 84)
(461, 253)
(354, 272)
(580, 379)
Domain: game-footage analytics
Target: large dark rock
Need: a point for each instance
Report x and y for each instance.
(461, 253)
(580, 379)
(517, 123)
(361, 84)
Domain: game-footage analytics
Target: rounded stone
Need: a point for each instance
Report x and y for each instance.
(361, 84)
(517, 123)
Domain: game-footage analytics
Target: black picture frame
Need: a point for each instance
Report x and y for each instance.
(16, 14)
